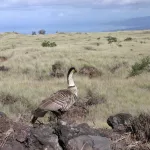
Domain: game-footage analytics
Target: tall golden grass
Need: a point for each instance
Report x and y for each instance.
(31, 63)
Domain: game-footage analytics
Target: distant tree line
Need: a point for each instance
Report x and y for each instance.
(40, 32)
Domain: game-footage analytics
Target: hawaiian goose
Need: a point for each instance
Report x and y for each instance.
(60, 101)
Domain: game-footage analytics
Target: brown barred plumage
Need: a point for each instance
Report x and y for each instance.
(61, 101)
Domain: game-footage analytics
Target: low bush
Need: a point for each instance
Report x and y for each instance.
(139, 67)
(128, 39)
(49, 44)
(111, 39)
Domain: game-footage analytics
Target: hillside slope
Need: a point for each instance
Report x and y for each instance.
(26, 80)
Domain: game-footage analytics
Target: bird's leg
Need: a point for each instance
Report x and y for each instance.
(58, 117)
(55, 116)
(41, 123)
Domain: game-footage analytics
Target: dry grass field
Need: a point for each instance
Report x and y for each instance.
(27, 81)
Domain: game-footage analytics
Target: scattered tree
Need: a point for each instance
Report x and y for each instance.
(33, 33)
(42, 31)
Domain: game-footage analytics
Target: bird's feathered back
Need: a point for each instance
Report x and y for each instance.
(61, 100)
(60, 97)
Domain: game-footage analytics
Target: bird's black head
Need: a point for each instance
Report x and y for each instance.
(71, 70)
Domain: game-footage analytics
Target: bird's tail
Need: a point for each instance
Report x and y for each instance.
(34, 119)
(38, 113)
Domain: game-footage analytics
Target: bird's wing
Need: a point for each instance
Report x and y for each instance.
(56, 101)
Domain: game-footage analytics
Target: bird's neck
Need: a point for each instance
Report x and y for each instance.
(71, 85)
(70, 80)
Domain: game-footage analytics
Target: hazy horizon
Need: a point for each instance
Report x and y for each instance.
(87, 16)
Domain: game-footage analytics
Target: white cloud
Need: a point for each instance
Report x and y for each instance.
(123, 2)
(61, 14)
(15, 3)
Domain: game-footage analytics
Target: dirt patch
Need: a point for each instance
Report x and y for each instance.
(3, 58)
(90, 71)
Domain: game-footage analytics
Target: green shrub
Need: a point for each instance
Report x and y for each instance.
(139, 67)
(53, 44)
(46, 44)
(128, 39)
(49, 44)
(111, 39)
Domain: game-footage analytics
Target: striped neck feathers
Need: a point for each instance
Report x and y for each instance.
(70, 79)
(73, 89)
(71, 85)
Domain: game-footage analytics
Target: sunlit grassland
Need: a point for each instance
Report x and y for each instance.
(30, 66)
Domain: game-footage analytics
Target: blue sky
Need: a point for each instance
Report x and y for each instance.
(26, 16)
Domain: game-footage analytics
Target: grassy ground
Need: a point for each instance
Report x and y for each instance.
(28, 80)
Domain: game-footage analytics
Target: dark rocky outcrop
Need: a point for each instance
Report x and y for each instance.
(44, 137)
(88, 142)
(18, 136)
(120, 122)
(82, 137)
(141, 127)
